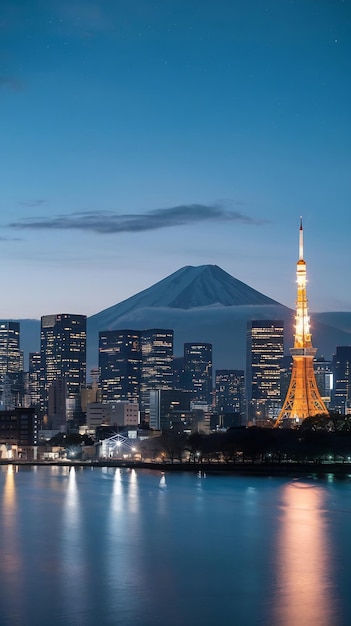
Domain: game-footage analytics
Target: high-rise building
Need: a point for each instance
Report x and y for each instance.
(34, 378)
(11, 357)
(324, 378)
(303, 398)
(265, 349)
(230, 392)
(341, 394)
(167, 407)
(157, 363)
(120, 365)
(178, 372)
(11, 365)
(198, 371)
(63, 358)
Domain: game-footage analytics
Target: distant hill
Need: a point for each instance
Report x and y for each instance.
(29, 337)
(338, 319)
(202, 303)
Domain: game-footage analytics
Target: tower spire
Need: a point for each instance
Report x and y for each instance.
(301, 241)
(303, 398)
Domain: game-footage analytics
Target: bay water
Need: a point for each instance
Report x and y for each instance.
(108, 546)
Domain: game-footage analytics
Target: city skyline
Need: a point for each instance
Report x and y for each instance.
(139, 138)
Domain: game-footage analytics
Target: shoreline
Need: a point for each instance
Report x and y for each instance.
(239, 469)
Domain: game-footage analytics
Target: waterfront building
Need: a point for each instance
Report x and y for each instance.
(97, 413)
(167, 407)
(63, 362)
(303, 398)
(114, 414)
(264, 351)
(19, 428)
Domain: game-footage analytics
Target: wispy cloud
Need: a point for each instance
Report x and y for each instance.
(85, 18)
(109, 223)
(10, 239)
(11, 83)
(31, 203)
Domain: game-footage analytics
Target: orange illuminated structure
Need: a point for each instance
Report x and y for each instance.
(303, 398)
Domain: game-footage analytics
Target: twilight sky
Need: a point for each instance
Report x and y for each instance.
(139, 136)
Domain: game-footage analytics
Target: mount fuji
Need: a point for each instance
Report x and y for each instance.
(206, 304)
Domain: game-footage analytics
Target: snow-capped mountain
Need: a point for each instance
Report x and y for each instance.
(207, 304)
(190, 287)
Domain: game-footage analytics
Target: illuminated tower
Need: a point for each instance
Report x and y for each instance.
(303, 398)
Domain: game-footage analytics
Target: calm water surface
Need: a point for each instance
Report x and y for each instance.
(98, 547)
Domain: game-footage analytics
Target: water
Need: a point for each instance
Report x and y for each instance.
(100, 547)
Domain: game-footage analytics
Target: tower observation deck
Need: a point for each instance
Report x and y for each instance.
(303, 398)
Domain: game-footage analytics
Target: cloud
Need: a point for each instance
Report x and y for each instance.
(83, 17)
(11, 83)
(108, 223)
(10, 239)
(31, 203)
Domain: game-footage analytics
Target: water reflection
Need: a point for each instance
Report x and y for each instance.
(133, 496)
(9, 522)
(73, 555)
(304, 589)
(11, 560)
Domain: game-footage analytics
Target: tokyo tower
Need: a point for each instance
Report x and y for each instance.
(303, 398)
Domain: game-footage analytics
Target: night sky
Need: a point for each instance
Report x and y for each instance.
(139, 136)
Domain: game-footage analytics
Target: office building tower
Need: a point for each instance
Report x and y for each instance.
(323, 373)
(178, 372)
(230, 392)
(34, 379)
(11, 357)
(157, 363)
(11, 366)
(63, 362)
(19, 429)
(341, 394)
(303, 398)
(198, 371)
(265, 348)
(167, 408)
(120, 365)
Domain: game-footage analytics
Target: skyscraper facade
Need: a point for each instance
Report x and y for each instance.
(120, 365)
(265, 349)
(341, 394)
(323, 372)
(11, 357)
(63, 358)
(230, 392)
(157, 363)
(34, 379)
(198, 371)
(11, 365)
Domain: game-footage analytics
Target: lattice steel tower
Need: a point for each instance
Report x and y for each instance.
(303, 398)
